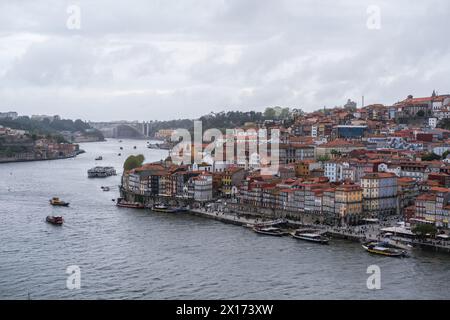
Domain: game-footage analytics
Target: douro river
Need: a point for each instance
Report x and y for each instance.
(137, 254)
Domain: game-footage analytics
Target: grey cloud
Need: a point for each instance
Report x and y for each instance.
(162, 59)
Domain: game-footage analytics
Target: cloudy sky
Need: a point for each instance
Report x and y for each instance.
(164, 59)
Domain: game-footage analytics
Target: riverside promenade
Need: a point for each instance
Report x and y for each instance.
(335, 232)
(224, 217)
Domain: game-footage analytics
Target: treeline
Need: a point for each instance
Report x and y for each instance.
(155, 126)
(49, 127)
(224, 120)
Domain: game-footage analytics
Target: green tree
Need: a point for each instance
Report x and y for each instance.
(430, 157)
(323, 158)
(270, 113)
(284, 114)
(133, 162)
(425, 229)
(420, 113)
(445, 154)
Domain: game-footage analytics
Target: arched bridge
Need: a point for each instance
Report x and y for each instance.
(122, 129)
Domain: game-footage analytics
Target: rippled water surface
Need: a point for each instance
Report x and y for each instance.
(136, 254)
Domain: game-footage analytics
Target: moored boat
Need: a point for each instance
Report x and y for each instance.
(312, 237)
(269, 231)
(126, 204)
(182, 209)
(56, 220)
(163, 208)
(383, 249)
(55, 201)
(99, 158)
(105, 188)
(265, 223)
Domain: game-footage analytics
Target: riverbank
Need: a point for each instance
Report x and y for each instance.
(13, 160)
(357, 234)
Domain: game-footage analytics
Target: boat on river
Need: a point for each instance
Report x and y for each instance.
(56, 220)
(127, 204)
(163, 208)
(384, 249)
(162, 146)
(311, 237)
(99, 158)
(55, 201)
(101, 172)
(269, 231)
(265, 223)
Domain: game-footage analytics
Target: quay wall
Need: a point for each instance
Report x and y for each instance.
(238, 214)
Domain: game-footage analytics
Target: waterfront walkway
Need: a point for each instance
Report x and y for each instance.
(361, 233)
(224, 217)
(350, 233)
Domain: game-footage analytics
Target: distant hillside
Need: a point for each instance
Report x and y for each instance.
(223, 120)
(51, 127)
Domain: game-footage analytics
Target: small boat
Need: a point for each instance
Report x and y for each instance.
(163, 146)
(125, 204)
(121, 148)
(134, 147)
(99, 158)
(269, 231)
(182, 209)
(312, 237)
(56, 220)
(119, 154)
(383, 249)
(163, 208)
(105, 188)
(56, 202)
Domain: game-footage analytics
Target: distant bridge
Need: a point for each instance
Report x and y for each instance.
(123, 129)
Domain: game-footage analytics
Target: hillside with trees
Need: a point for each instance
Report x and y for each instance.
(55, 127)
(225, 119)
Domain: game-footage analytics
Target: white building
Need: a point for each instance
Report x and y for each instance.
(432, 122)
(380, 193)
(334, 171)
(203, 187)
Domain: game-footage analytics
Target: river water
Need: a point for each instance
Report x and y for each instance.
(136, 254)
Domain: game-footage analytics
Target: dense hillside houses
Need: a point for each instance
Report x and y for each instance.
(339, 165)
(21, 145)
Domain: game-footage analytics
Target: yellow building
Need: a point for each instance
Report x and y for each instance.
(348, 201)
